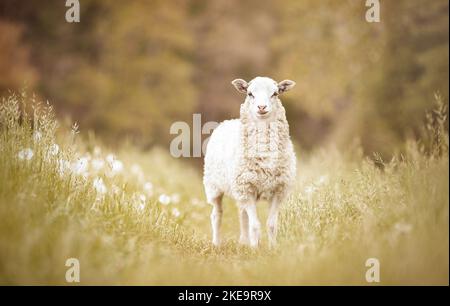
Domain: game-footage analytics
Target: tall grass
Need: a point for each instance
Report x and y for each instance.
(134, 217)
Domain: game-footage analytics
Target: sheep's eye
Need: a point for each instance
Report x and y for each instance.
(275, 94)
(250, 95)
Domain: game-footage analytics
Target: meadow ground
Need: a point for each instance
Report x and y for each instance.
(134, 217)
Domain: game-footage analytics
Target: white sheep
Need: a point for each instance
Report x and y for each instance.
(251, 158)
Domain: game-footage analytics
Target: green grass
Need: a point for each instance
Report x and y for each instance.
(345, 209)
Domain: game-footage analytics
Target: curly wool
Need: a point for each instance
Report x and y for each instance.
(247, 160)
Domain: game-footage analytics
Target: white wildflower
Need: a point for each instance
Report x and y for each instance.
(175, 212)
(148, 188)
(81, 166)
(142, 201)
(25, 154)
(115, 165)
(99, 186)
(37, 136)
(164, 199)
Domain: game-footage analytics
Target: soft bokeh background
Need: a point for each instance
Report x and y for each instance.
(130, 69)
(110, 194)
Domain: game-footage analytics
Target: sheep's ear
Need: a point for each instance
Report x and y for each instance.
(285, 85)
(240, 85)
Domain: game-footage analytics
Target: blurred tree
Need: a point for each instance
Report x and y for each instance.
(125, 70)
(143, 71)
(130, 69)
(232, 39)
(16, 70)
(371, 80)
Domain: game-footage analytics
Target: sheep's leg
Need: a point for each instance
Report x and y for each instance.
(243, 222)
(254, 225)
(272, 222)
(216, 219)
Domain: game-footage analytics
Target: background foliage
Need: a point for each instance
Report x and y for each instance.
(131, 68)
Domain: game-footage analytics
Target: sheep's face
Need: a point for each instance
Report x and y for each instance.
(262, 95)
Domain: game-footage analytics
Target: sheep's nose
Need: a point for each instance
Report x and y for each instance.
(262, 107)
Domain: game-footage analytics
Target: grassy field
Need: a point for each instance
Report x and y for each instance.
(134, 217)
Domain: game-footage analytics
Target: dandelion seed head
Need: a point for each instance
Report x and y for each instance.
(148, 188)
(81, 166)
(37, 136)
(141, 206)
(175, 212)
(25, 154)
(164, 199)
(99, 185)
(116, 167)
